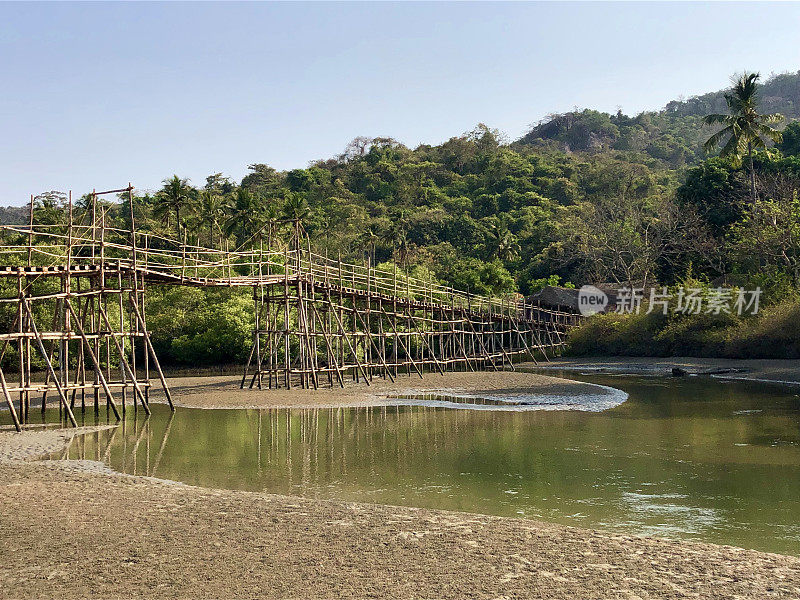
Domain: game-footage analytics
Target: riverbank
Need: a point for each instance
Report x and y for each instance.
(224, 392)
(772, 333)
(82, 531)
(778, 371)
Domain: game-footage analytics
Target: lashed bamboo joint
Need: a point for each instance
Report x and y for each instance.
(317, 321)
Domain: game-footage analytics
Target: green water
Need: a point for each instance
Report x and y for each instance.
(693, 458)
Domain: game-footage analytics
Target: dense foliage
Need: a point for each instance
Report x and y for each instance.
(583, 197)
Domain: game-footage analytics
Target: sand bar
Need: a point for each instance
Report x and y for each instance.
(224, 392)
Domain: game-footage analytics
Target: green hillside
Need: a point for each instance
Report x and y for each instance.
(673, 136)
(584, 197)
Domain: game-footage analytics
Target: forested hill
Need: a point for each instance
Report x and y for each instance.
(584, 197)
(673, 136)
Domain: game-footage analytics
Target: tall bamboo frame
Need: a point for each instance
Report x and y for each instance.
(318, 321)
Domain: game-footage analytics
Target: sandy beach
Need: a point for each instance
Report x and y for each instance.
(82, 530)
(72, 529)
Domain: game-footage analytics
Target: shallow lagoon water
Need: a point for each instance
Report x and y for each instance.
(693, 458)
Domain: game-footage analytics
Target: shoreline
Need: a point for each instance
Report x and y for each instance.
(151, 538)
(772, 371)
(223, 392)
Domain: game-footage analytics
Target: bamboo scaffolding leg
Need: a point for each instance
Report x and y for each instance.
(256, 308)
(372, 342)
(95, 361)
(458, 342)
(287, 354)
(540, 343)
(425, 342)
(247, 366)
(120, 344)
(8, 398)
(124, 365)
(62, 397)
(352, 350)
(521, 338)
(479, 337)
(52, 357)
(382, 333)
(302, 318)
(331, 353)
(23, 368)
(399, 340)
(259, 306)
(9, 402)
(78, 364)
(503, 350)
(149, 345)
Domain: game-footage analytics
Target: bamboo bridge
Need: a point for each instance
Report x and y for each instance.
(73, 297)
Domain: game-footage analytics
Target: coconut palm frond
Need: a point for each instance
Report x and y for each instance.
(716, 119)
(715, 139)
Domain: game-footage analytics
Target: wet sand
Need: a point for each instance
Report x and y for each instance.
(224, 392)
(73, 531)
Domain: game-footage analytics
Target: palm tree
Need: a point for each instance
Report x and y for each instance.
(175, 196)
(396, 236)
(272, 219)
(296, 209)
(368, 241)
(504, 243)
(248, 218)
(744, 128)
(212, 208)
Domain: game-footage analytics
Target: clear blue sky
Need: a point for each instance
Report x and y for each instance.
(95, 95)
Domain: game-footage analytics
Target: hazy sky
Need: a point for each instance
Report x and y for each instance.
(96, 95)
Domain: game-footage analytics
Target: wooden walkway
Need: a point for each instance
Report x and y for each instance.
(73, 298)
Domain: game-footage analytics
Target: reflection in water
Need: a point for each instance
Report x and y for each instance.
(688, 458)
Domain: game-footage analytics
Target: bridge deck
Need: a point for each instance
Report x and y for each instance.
(76, 293)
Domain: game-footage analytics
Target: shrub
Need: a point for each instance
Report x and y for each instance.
(773, 333)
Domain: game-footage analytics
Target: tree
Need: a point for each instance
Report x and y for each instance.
(247, 217)
(744, 128)
(295, 206)
(50, 207)
(176, 196)
(219, 183)
(767, 239)
(790, 144)
(212, 209)
(503, 242)
(627, 241)
(396, 236)
(717, 190)
(368, 240)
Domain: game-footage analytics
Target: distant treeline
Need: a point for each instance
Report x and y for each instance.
(584, 197)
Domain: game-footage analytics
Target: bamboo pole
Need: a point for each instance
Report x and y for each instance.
(346, 339)
(49, 364)
(399, 340)
(126, 367)
(372, 342)
(94, 359)
(9, 402)
(331, 353)
(149, 345)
